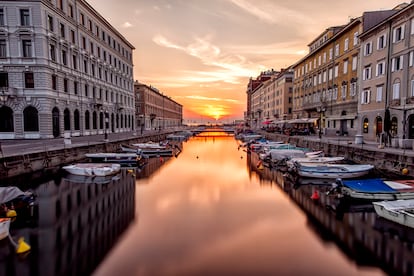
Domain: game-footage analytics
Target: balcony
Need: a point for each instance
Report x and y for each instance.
(119, 106)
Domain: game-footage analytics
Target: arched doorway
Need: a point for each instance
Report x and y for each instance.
(31, 119)
(55, 122)
(411, 127)
(6, 119)
(378, 126)
(66, 119)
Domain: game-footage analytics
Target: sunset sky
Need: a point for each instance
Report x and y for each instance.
(201, 53)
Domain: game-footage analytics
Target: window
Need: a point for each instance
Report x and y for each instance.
(24, 17)
(398, 34)
(354, 63)
(4, 80)
(62, 30)
(75, 87)
(365, 96)
(52, 50)
(356, 38)
(345, 66)
(27, 48)
(66, 119)
(75, 62)
(346, 44)
(31, 119)
(54, 82)
(344, 91)
(82, 19)
(412, 88)
(3, 48)
(380, 68)
(64, 57)
(396, 91)
(50, 23)
(330, 54)
(353, 88)
(337, 50)
(72, 36)
(336, 71)
(379, 94)
(382, 42)
(368, 49)
(71, 11)
(65, 85)
(28, 80)
(365, 125)
(367, 73)
(397, 63)
(86, 90)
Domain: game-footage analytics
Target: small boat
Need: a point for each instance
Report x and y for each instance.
(4, 227)
(324, 170)
(278, 158)
(151, 151)
(127, 158)
(374, 189)
(86, 179)
(14, 201)
(93, 169)
(399, 211)
(311, 159)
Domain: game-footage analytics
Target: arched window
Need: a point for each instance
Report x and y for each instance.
(117, 120)
(31, 119)
(101, 120)
(76, 119)
(394, 126)
(66, 119)
(365, 125)
(6, 119)
(87, 120)
(94, 120)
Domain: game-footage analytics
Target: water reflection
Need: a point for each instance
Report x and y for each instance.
(209, 211)
(75, 225)
(212, 212)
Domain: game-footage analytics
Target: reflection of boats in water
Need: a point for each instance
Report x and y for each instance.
(15, 202)
(91, 179)
(93, 169)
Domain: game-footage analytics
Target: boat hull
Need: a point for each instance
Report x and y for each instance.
(403, 215)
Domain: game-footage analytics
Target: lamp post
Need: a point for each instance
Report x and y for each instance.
(106, 126)
(321, 110)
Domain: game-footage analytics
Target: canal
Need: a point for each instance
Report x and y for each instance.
(209, 211)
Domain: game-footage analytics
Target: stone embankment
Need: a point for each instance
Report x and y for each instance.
(387, 160)
(25, 157)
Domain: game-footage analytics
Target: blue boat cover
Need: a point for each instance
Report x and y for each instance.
(373, 185)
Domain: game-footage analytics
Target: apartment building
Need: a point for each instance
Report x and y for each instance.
(255, 98)
(325, 83)
(154, 110)
(64, 71)
(387, 84)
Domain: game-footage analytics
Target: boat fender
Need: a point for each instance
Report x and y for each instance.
(315, 195)
(404, 171)
(260, 165)
(11, 213)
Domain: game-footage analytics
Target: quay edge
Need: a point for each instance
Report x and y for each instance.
(38, 161)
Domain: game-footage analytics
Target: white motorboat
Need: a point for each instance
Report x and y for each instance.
(4, 227)
(332, 171)
(399, 211)
(93, 169)
(308, 160)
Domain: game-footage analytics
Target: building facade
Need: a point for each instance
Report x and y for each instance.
(155, 110)
(64, 71)
(387, 84)
(325, 85)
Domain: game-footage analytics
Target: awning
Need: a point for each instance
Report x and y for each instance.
(304, 121)
(343, 117)
(281, 122)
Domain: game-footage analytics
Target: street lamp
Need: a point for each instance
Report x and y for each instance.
(106, 125)
(321, 110)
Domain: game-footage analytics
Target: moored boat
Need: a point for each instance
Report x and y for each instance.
(374, 189)
(4, 227)
(93, 169)
(324, 170)
(399, 211)
(127, 158)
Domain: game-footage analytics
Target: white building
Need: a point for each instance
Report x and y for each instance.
(63, 70)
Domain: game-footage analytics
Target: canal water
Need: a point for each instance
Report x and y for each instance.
(210, 211)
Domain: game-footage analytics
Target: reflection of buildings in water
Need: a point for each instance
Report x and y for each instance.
(355, 228)
(151, 166)
(79, 223)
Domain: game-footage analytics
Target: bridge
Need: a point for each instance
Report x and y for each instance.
(214, 131)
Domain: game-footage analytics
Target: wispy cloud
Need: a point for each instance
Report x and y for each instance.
(127, 25)
(272, 12)
(225, 67)
(202, 98)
